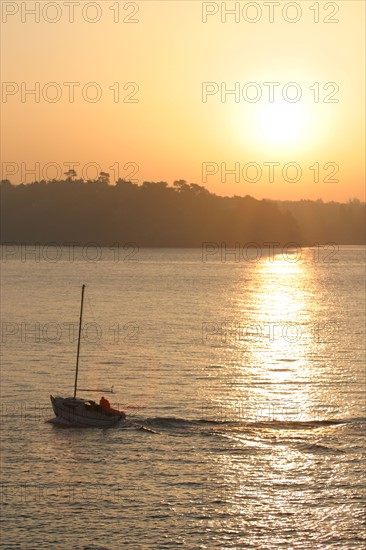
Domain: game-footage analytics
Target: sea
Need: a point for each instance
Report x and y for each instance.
(242, 374)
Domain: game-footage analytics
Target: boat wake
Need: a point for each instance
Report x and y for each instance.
(184, 425)
(175, 426)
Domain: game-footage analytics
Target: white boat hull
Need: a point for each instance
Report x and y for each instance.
(81, 412)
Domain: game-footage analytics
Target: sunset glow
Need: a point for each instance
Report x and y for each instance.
(156, 89)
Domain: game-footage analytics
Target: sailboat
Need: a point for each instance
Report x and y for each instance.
(85, 412)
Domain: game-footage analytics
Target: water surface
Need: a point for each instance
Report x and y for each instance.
(243, 381)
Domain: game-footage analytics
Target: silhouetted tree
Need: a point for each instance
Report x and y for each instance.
(70, 174)
(103, 177)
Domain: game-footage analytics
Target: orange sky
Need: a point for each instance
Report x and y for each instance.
(179, 124)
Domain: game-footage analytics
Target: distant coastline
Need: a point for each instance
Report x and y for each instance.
(156, 215)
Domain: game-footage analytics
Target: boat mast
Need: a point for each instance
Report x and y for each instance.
(79, 337)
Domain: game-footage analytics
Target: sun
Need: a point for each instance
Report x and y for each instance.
(281, 127)
(281, 124)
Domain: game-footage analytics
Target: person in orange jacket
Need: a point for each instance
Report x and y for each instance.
(106, 406)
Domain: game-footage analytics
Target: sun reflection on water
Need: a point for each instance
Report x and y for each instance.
(275, 374)
(279, 389)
